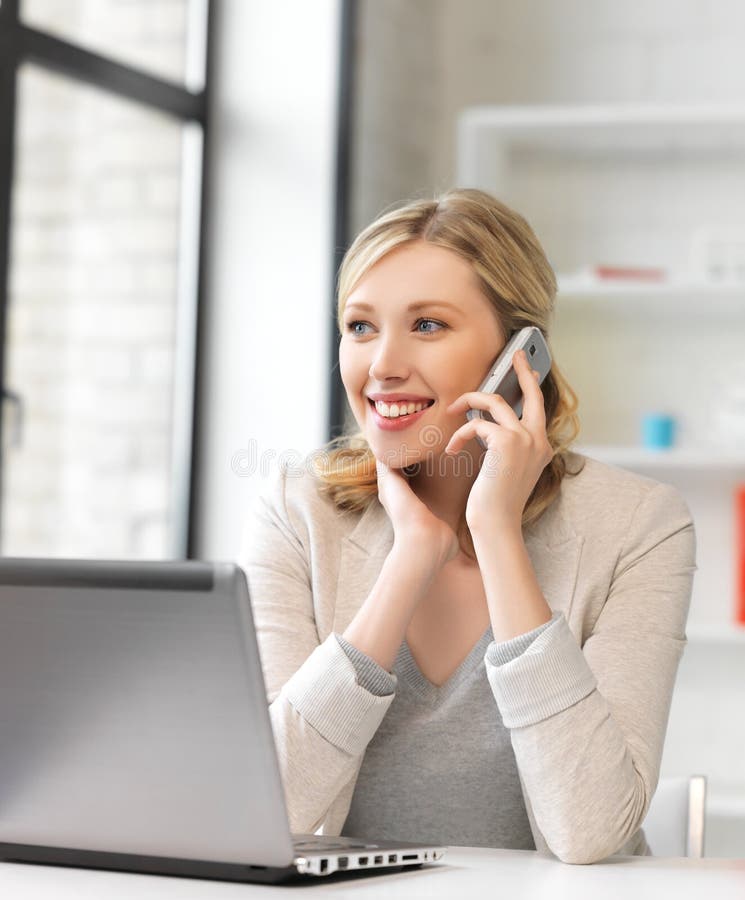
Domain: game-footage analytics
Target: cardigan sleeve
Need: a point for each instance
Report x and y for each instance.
(321, 716)
(370, 674)
(500, 652)
(588, 723)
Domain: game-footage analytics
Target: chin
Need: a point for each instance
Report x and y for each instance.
(392, 458)
(398, 460)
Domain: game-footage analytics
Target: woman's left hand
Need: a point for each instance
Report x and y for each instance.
(518, 450)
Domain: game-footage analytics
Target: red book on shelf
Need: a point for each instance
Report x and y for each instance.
(740, 554)
(629, 273)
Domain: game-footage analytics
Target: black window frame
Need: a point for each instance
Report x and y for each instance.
(20, 43)
(342, 200)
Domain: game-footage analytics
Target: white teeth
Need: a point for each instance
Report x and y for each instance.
(398, 409)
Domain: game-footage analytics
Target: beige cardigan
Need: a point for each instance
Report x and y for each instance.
(587, 703)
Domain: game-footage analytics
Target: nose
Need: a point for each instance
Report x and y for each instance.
(389, 360)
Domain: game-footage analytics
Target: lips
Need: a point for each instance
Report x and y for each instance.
(398, 398)
(400, 422)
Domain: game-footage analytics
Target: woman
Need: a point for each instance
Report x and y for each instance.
(465, 646)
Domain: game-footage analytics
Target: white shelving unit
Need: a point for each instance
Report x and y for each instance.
(628, 187)
(685, 459)
(488, 134)
(681, 291)
(716, 635)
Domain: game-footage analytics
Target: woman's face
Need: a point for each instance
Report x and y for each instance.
(431, 353)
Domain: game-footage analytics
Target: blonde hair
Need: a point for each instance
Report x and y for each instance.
(516, 278)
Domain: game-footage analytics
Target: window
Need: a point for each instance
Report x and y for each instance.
(162, 37)
(99, 273)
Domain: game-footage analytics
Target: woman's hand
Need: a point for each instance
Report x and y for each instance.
(412, 520)
(518, 450)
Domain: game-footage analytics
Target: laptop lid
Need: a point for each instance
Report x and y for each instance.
(133, 717)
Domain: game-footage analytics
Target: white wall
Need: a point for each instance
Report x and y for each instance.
(421, 61)
(395, 112)
(585, 52)
(268, 297)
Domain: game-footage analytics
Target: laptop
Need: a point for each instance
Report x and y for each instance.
(135, 731)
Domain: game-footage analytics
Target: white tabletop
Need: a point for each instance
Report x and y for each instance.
(463, 873)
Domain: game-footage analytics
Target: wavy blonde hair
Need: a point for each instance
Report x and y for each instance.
(516, 278)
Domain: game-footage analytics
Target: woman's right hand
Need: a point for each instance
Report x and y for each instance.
(413, 522)
(422, 544)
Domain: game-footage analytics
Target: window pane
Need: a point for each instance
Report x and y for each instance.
(92, 321)
(163, 37)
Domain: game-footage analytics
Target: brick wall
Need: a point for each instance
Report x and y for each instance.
(90, 343)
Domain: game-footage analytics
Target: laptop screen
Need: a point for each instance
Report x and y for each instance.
(133, 716)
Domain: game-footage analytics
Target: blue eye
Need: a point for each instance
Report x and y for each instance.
(431, 321)
(357, 327)
(350, 326)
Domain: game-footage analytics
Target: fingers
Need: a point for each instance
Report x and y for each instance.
(484, 430)
(497, 407)
(534, 411)
(499, 442)
(533, 417)
(387, 473)
(534, 414)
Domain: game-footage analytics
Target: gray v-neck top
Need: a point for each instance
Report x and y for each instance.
(440, 768)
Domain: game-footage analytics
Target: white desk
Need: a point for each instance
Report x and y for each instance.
(462, 874)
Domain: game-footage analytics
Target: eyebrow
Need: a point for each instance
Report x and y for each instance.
(412, 307)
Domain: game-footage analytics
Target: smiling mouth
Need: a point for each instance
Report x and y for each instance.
(399, 410)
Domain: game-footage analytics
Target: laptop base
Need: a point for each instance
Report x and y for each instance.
(182, 868)
(148, 865)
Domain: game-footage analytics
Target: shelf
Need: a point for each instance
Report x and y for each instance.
(717, 634)
(730, 805)
(646, 115)
(686, 459)
(618, 130)
(581, 288)
(725, 798)
(645, 187)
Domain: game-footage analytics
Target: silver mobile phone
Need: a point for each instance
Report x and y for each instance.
(502, 378)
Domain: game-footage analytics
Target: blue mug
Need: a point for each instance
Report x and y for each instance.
(658, 431)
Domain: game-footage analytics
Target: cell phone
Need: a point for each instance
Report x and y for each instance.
(502, 378)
